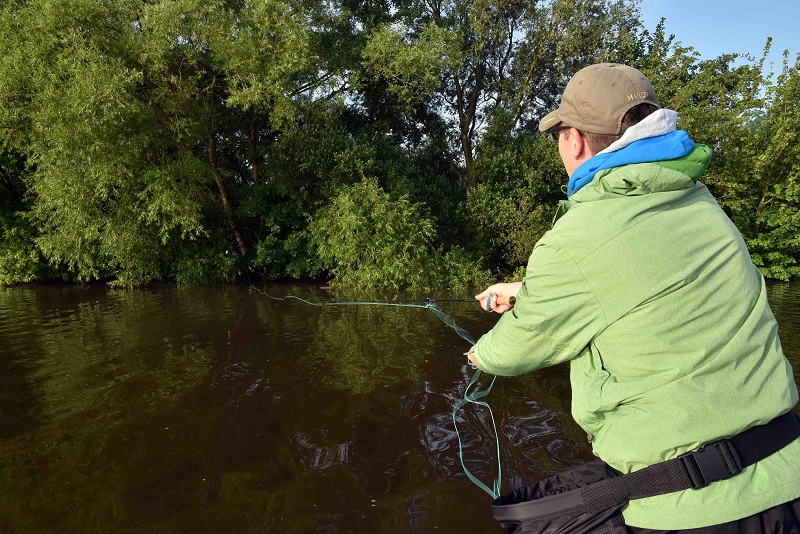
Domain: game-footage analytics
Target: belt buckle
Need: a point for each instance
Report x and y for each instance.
(716, 461)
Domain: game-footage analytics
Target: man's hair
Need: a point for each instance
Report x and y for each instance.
(599, 142)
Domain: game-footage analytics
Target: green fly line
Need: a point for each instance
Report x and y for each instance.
(469, 398)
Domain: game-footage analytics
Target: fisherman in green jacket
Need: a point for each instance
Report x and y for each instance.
(646, 287)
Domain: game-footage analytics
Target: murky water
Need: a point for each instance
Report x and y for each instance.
(221, 410)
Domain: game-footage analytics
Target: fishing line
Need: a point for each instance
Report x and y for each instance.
(469, 398)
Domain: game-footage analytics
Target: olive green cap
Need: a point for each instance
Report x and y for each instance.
(598, 96)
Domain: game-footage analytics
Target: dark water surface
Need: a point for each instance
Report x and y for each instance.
(220, 410)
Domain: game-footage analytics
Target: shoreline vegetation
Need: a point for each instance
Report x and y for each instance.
(380, 146)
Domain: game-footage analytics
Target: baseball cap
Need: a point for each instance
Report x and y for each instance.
(598, 96)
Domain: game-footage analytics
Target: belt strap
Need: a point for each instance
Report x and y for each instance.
(716, 461)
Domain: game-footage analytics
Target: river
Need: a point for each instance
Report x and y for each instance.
(222, 410)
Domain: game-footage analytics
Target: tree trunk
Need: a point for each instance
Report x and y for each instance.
(467, 109)
(469, 161)
(252, 145)
(223, 193)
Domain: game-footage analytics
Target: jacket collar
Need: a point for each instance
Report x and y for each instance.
(653, 139)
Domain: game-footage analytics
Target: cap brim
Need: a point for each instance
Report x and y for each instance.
(549, 120)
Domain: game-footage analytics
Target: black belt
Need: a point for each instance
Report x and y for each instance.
(716, 461)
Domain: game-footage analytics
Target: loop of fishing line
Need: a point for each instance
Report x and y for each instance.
(469, 398)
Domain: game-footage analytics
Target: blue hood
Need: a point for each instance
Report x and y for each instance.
(662, 147)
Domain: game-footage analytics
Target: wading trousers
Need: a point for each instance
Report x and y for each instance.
(781, 519)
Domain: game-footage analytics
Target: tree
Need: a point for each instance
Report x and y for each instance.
(731, 104)
(195, 141)
(494, 57)
(129, 117)
(770, 214)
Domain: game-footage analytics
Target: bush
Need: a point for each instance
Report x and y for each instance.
(515, 202)
(368, 241)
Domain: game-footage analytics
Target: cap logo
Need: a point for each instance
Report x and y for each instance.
(640, 95)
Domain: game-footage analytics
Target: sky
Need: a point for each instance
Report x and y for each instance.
(714, 27)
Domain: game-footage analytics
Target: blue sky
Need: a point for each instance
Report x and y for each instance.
(714, 27)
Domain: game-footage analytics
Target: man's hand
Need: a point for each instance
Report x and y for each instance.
(471, 356)
(499, 297)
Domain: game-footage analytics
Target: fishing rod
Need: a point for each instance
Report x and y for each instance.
(425, 300)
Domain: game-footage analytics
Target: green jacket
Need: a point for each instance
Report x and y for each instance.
(646, 287)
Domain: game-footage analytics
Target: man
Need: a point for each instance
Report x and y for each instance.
(646, 287)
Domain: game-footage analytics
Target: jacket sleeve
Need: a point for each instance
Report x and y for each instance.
(555, 317)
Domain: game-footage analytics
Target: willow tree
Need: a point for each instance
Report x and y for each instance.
(69, 108)
(130, 117)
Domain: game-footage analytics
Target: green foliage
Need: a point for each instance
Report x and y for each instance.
(457, 271)
(262, 49)
(129, 117)
(283, 247)
(775, 239)
(411, 70)
(512, 223)
(206, 265)
(369, 241)
(195, 141)
(514, 205)
(20, 260)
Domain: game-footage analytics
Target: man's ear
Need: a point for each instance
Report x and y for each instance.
(577, 145)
